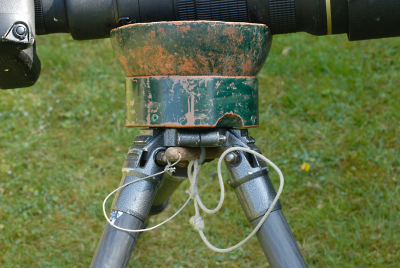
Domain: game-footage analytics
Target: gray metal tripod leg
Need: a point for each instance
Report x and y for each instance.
(132, 204)
(277, 241)
(115, 246)
(170, 183)
(249, 178)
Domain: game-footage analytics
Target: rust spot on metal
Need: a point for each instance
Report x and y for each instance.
(192, 101)
(175, 125)
(192, 73)
(190, 48)
(125, 65)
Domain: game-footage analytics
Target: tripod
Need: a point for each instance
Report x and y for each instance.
(192, 85)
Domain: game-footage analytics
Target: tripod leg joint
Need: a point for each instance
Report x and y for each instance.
(249, 178)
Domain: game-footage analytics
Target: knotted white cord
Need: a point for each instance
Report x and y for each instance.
(170, 167)
(194, 191)
(197, 221)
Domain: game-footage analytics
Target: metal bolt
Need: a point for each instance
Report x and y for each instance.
(161, 158)
(232, 158)
(154, 117)
(20, 31)
(222, 139)
(253, 119)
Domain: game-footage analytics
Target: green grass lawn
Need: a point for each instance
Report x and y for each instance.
(326, 101)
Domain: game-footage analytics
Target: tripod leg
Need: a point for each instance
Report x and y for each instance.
(131, 205)
(115, 246)
(277, 241)
(249, 178)
(170, 183)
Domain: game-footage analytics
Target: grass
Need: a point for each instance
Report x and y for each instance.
(326, 101)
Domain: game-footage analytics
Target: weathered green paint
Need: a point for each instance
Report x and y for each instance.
(190, 101)
(192, 73)
(193, 48)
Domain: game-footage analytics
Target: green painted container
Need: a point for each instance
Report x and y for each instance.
(190, 101)
(191, 48)
(192, 74)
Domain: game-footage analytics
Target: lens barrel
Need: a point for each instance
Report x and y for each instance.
(373, 19)
(91, 19)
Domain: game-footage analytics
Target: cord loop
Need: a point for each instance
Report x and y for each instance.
(197, 221)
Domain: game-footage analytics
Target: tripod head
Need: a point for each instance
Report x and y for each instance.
(192, 73)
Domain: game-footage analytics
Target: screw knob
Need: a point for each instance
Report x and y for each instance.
(161, 158)
(232, 158)
(20, 31)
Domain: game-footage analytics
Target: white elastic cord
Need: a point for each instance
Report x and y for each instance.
(193, 177)
(170, 167)
(198, 222)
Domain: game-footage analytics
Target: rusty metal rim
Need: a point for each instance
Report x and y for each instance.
(193, 76)
(180, 126)
(191, 21)
(187, 48)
